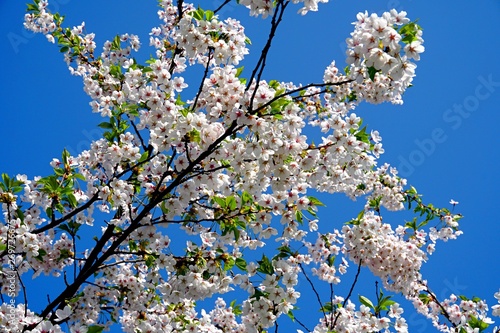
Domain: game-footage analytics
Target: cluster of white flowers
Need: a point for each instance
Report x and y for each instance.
(379, 54)
(43, 22)
(266, 7)
(395, 260)
(349, 319)
(458, 311)
(225, 39)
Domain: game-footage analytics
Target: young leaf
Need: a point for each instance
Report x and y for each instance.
(371, 72)
(241, 264)
(95, 329)
(365, 301)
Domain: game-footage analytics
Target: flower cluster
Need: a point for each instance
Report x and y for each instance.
(225, 40)
(266, 7)
(349, 319)
(395, 260)
(462, 313)
(379, 54)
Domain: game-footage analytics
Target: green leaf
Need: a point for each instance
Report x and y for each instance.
(115, 71)
(106, 125)
(41, 254)
(315, 201)
(412, 225)
(477, 323)
(239, 70)
(265, 266)
(116, 44)
(371, 72)
(49, 211)
(220, 201)
(241, 264)
(150, 260)
(299, 216)
(64, 227)
(65, 254)
(246, 198)
(424, 298)
(362, 136)
(274, 84)
(231, 202)
(133, 246)
(258, 294)
(2, 247)
(72, 200)
(194, 136)
(79, 176)
(6, 179)
(285, 252)
(95, 329)
(327, 308)
(65, 156)
(60, 207)
(59, 172)
(311, 211)
(179, 101)
(229, 263)
(32, 8)
(331, 260)
(352, 97)
(236, 308)
(198, 14)
(385, 303)
(365, 301)
(209, 15)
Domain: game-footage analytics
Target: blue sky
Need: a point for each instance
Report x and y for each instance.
(444, 138)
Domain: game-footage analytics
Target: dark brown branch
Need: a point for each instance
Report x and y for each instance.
(55, 223)
(205, 74)
(311, 85)
(443, 310)
(261, 64)
(348, 295)
(221, 6)
(314, 290)
(85, 273)
(138, 134)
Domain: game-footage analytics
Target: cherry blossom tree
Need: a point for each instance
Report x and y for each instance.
(196, 212)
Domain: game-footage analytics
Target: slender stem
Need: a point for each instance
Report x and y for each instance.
(311, 85)
(261, 64)
(314, 290)
(348, 295)
(435, 300)
(221, 6)
(205, 74)
(302, 324)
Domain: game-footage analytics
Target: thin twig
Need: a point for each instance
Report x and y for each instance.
(348, 295)
(261, 64)
(314, 290)
(435, 300)
(221, 6)
(302, 324)
(205, 74)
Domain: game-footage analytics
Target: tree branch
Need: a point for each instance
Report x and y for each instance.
(348, 295)
(261, 64)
